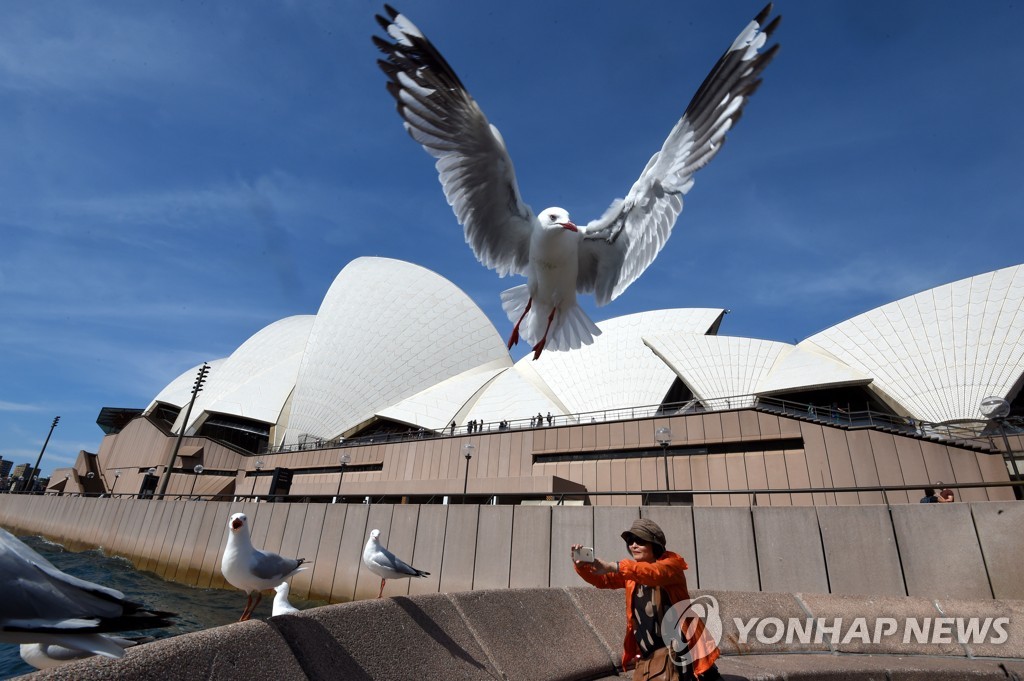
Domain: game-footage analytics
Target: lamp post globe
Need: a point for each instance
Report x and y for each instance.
(259, 466)
(344, 460)
(198, 470)
(664, 438)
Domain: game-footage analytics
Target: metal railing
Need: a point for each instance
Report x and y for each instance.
(967, 432)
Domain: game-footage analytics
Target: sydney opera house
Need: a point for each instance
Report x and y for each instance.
(400, 389)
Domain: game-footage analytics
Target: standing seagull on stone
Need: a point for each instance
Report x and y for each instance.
(251, 570)
(558, 258)
(42, 605)
(385, 564)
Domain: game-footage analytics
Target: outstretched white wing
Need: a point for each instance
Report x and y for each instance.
(472, 163)
(619, 246)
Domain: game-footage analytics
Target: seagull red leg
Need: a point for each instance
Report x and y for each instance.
(540, 346)
(248, 608)
(514, 338)
(381, 592)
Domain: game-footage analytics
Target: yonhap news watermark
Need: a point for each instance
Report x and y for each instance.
(837, 630)
(692, 628)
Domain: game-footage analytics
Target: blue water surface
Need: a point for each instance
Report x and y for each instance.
(197, 608)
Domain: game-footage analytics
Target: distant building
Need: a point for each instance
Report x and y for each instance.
(5, 467)
(24, 470)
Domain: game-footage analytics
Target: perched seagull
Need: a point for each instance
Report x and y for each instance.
(251, 570)
(385, 564)
(50, 655)
(558, 258)
(281, 604)
(43, 605)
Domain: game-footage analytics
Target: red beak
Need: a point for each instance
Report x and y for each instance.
(235, 524)
(569, 226)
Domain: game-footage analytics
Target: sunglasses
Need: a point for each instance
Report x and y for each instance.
(633, 539)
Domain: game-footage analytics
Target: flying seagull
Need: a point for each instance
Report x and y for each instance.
(43, 605)
(282, 606)
(251, 570)
(558, 257)
(385, 564)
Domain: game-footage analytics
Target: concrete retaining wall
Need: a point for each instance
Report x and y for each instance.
(962, 550)
(560, 634)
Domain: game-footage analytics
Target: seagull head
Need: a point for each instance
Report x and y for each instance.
(282, 589)
(237, 522)
(556, 218)
(374, 536)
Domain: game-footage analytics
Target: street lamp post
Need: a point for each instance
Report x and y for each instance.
(197, 387)
(467, 450)
(997, 409)
(259, 466)
(117, 474)
(664, 437)
(39, 459)
(343, 460)
(198, 470)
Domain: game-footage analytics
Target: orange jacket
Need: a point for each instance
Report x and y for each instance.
(666, 572)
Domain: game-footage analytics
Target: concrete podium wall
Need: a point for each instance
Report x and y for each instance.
(962, 550)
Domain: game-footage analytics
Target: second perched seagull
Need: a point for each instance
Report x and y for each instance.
(282, 606)
(559, 258)
(385, 564)
(251, 570)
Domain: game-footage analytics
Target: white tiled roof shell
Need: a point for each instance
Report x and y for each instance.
(517, 394)
(385, 331)
(618, 370)
(940, 352)
(806, 368)
(257, 378)
(437, 406)
(179, 391)
(717, 366)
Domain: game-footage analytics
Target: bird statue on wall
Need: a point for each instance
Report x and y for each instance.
(558, 257)
(43, 605)
(251, 570)
(385, 564)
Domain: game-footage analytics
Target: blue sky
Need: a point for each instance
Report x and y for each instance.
(176, 176)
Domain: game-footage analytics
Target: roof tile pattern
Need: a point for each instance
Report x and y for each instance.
(385, 331)
(718, 366)
(257, 378)
(617, 370)
(940, 352)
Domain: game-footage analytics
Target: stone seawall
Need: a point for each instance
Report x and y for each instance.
(563, 634)
(962, 550)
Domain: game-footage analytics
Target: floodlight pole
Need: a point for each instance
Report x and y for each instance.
(46, 442)
(196, 388)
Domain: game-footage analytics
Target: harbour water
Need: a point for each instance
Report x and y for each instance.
(197, 608)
